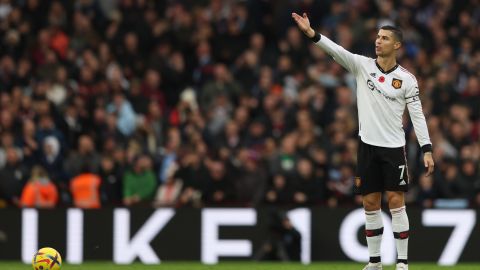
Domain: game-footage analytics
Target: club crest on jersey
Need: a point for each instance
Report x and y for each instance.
(381, 79)
(396, 83)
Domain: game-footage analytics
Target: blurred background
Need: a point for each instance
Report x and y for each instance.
(221, 103)
(174, 108)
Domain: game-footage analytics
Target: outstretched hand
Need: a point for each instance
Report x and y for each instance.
(303, 24)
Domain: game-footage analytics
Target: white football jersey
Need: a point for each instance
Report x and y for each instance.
(381, 98)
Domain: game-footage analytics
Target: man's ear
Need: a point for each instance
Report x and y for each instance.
(397, 45)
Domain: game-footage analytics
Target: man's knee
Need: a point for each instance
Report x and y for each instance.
(395, 199)
(372, 202)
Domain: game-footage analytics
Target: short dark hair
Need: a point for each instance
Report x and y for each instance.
(397, 33)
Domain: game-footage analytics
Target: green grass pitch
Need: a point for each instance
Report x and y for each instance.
(233, 266)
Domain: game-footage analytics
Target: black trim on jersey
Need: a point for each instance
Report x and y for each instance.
(413, 96)
(316, 37)
(427, 148)
(388, 71)
(415, 100)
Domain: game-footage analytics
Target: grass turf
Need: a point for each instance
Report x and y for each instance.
(233, 266)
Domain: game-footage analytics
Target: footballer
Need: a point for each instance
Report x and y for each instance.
(384, 89)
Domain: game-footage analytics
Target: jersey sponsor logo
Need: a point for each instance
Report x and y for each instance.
(370, 85)
(374, 88)
(396, 83)
(381, 79)
(402, 183)
(374, 75)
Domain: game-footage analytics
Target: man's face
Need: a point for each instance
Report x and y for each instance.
(385, 44)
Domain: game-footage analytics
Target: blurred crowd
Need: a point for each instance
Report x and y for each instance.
(201, 103)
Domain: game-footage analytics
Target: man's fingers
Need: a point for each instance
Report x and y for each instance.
(430, 167)
(304, 15)
(296, 17)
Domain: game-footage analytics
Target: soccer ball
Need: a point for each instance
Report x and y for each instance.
(47, 259)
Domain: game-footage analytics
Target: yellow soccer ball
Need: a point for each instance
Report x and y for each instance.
(47, 259)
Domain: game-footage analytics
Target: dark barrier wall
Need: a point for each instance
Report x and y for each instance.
(211, 234)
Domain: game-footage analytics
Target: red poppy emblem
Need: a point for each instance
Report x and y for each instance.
(381, 79)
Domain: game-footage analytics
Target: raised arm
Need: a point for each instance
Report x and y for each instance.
(345, 58)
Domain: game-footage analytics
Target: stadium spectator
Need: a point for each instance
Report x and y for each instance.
(51, 159)
(85, 189)
(150, 88)
(122, 109)
(307, 187)
(86, 156)
(27, 142)
(219, 184)
(279, 192)
(7, 141)
(452, 185)
(250, 178)
(111, 188)
(139, 182)
(427, 191)
(340, 185)
(167, 194)
(39, 192)
(12, 178)
(193, 173)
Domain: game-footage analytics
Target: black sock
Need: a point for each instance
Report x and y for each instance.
(402, 261)
(375, 259)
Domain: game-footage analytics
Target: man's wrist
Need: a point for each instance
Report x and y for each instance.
(310, 33)
(315, 37)
(427, 148)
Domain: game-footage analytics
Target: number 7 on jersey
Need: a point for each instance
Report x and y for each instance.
(402, 168)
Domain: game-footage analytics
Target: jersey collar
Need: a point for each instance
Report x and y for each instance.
(383, 71)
